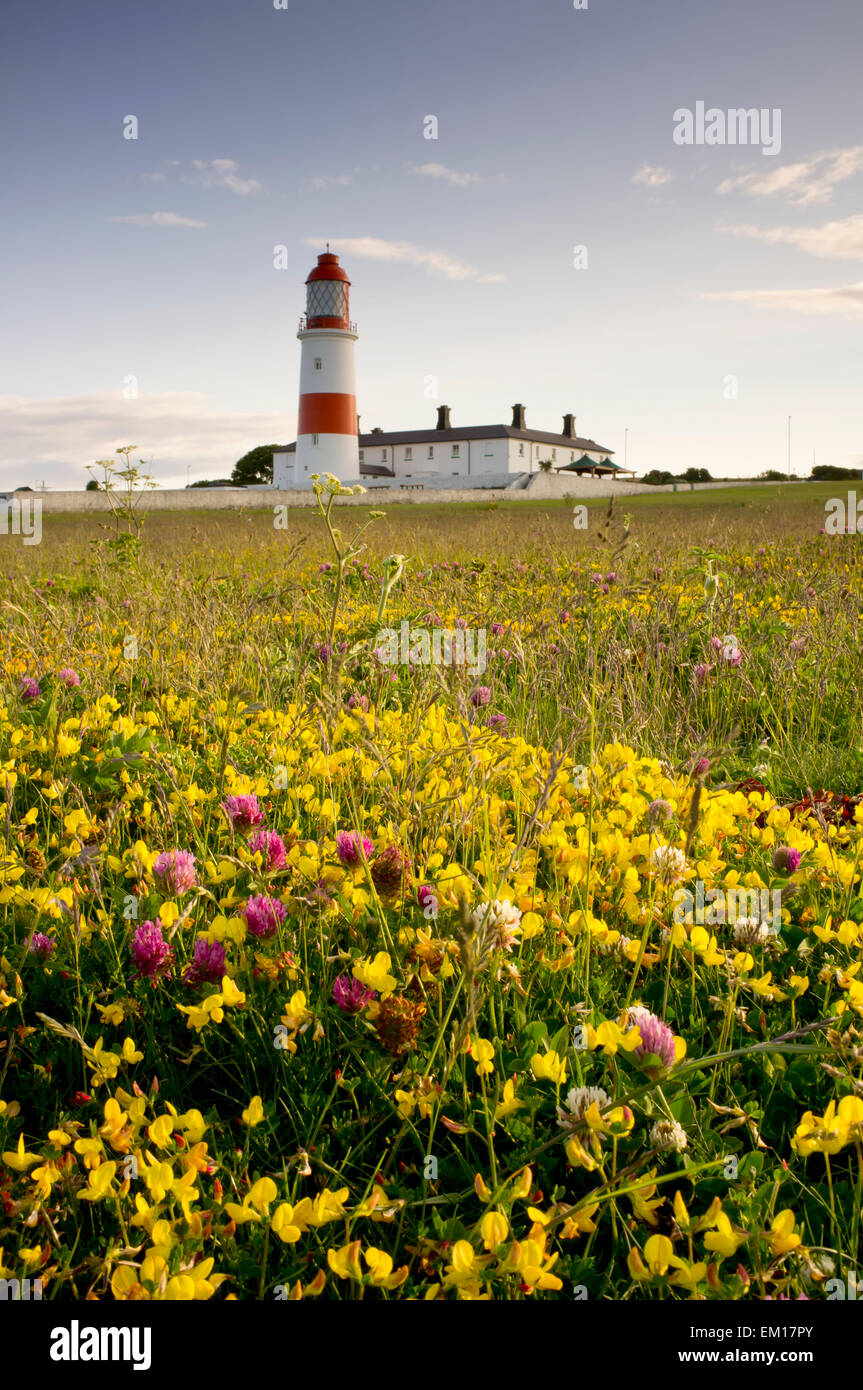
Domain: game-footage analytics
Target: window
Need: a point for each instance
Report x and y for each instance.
(521, 450)
(409, 453)
(554, 454)
(456, 451)
(572, 456)
(362, 455)
(383, 455)
(314, 441)
(431, 451)
(319, 364)
(327, 299)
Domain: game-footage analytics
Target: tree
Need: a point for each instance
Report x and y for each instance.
(831, 472)
(92, 486)
(697, 475)
(657, 477)
(254, 467)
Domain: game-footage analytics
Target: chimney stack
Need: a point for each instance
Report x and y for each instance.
(569, 426)
(518, 418)
(443, 418)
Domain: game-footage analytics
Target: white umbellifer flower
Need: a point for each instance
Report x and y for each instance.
(668, 863)
(499, 923)
(751, 931)
(577, 1104)
(668, 1136)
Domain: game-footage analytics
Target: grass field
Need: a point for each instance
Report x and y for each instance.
(532, 975)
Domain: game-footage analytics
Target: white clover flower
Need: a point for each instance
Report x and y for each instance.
(668, 863)
(751, 931)
(616, 948)
(577, 1104)
(668, 1136)
(499, 923)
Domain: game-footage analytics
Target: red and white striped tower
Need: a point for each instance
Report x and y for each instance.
(327, 426)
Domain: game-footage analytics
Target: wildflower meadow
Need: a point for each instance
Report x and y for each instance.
(433, 903)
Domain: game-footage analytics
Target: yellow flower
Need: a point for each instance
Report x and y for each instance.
(482, 1053)
(18, 1158)
(494, 1229)
(464, 1264)
(209, 1010)
(381, 1269)
(549, 1067)
(283, 1224)
(723, 1241)
(509, 1104)
(660, 1257)
(345, 1263)
(159, 1132)
(130, 1052)
(261, 1194)
(111, 1013)
(254, 1113)
(781, 1237)
(375, 974)
(327, 1206)
(98, 1183)
(233, 997)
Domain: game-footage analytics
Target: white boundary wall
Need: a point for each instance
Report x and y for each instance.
(543, 487)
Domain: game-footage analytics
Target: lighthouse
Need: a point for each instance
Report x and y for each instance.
(327, 425)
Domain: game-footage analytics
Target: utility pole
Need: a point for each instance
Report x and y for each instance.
(789, 446)
(625, 449)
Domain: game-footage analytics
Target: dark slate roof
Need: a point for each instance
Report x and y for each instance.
(433, 436)
(585, 462)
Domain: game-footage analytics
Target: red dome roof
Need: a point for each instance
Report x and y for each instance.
(328, 268)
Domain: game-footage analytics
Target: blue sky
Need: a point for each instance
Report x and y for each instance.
(723, 289)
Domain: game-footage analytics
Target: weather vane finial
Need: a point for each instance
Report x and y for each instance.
(328, 246)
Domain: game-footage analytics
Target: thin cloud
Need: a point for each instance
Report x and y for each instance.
(840, 240)
(435, 262)
(451, 176)
(206, 173)
(846, 300)
(221, 173)
(834, 241)
(332, 180)
(809, 181)
(158, 219)
(652, 175)
(59, 436)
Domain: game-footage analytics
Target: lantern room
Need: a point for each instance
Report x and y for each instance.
(328, 295)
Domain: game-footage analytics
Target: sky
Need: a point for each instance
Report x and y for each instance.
(556, 244)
